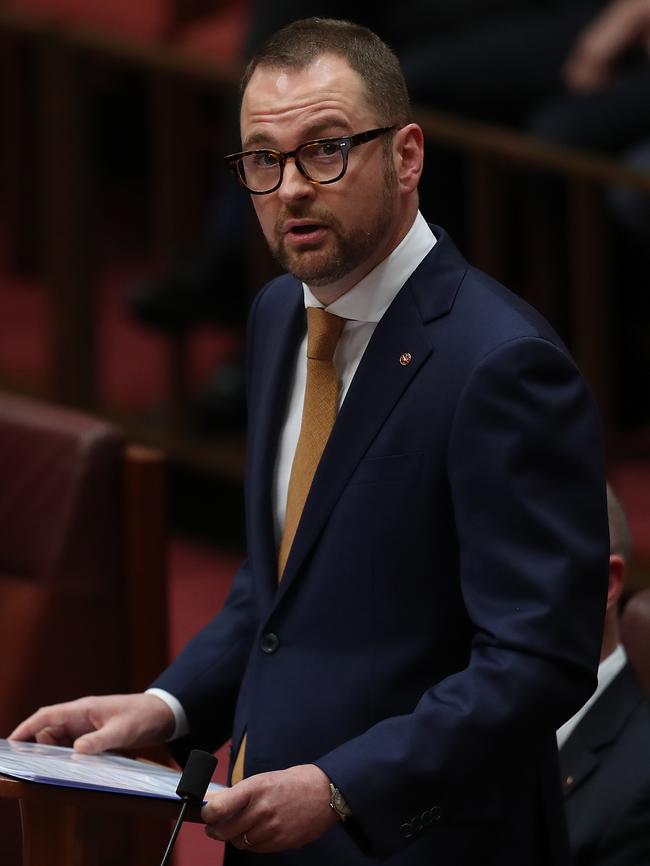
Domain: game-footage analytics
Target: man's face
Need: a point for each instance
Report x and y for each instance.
(326, 235)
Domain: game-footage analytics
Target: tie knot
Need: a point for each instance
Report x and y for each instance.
(323, 332)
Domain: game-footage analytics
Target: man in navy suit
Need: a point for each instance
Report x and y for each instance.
(439, 615)
(605, 747)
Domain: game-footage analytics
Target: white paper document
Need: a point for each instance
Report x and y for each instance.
(56, 765)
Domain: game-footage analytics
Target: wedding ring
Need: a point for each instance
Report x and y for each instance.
(247, 841)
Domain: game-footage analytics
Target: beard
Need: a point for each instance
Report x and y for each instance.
(344, 249)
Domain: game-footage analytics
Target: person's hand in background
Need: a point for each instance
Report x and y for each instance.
(622, 26)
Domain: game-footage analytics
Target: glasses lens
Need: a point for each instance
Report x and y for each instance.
(260, 170)
(322, 161)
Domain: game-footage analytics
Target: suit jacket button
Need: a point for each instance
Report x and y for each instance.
(269, 643)
(406, 830)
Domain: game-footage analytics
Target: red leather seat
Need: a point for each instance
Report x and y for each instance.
(151, 19)
(144, 18)
(61, 578)
(220, 36)
(81, 560)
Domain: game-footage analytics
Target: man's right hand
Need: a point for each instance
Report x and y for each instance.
(96, 724)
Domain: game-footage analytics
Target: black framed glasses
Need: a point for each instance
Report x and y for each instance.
(324, 160)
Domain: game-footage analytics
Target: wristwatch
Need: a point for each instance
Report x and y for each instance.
(338, 804)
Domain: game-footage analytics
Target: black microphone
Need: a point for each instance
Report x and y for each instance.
(192, 786)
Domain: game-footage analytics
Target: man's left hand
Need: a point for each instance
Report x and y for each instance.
(272, 811)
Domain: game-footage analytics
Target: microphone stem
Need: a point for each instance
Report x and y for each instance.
(177, 827)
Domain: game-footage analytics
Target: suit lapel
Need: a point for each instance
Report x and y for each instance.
(581, 754)
(578, 761)
(377, 386)
(281, 337)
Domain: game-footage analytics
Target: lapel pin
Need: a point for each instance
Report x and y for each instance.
(405, 359)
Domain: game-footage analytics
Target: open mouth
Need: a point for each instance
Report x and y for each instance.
(305, 229)
(306, 233)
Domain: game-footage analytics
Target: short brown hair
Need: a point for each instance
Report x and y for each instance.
(297, 45)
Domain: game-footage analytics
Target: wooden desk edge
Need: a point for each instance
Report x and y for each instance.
(90, 800)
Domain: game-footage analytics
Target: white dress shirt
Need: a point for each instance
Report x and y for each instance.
(608, 670)
(362, 307)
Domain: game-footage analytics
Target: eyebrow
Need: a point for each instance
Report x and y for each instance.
(315, 131)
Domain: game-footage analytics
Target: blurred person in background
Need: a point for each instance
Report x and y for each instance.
(576, 75)
(605, 747)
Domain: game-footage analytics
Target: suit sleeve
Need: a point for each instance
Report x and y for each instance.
(206, 676)
(527, 489)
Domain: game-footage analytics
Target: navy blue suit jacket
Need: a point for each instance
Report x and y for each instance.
(440, 612)
(606, 773)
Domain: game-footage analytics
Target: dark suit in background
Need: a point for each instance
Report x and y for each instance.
(605, 767)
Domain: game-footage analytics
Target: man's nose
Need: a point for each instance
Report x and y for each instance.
(294, 184)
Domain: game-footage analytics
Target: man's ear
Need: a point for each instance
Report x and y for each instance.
(616, 579)
(409, 155)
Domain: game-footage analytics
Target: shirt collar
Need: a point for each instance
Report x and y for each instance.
(371, 297)
(610, 667)
(608, 670)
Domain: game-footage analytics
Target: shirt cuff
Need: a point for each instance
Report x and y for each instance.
(181, 727)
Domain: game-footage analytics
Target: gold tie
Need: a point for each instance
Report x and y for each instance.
(318, 416)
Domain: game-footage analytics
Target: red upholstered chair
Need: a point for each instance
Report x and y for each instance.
(58, 58)
(218, 37)
(82, 563)
(149, 19)
(145, 19)
(635, 634)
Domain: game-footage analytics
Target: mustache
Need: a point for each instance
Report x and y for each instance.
(317, 215)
